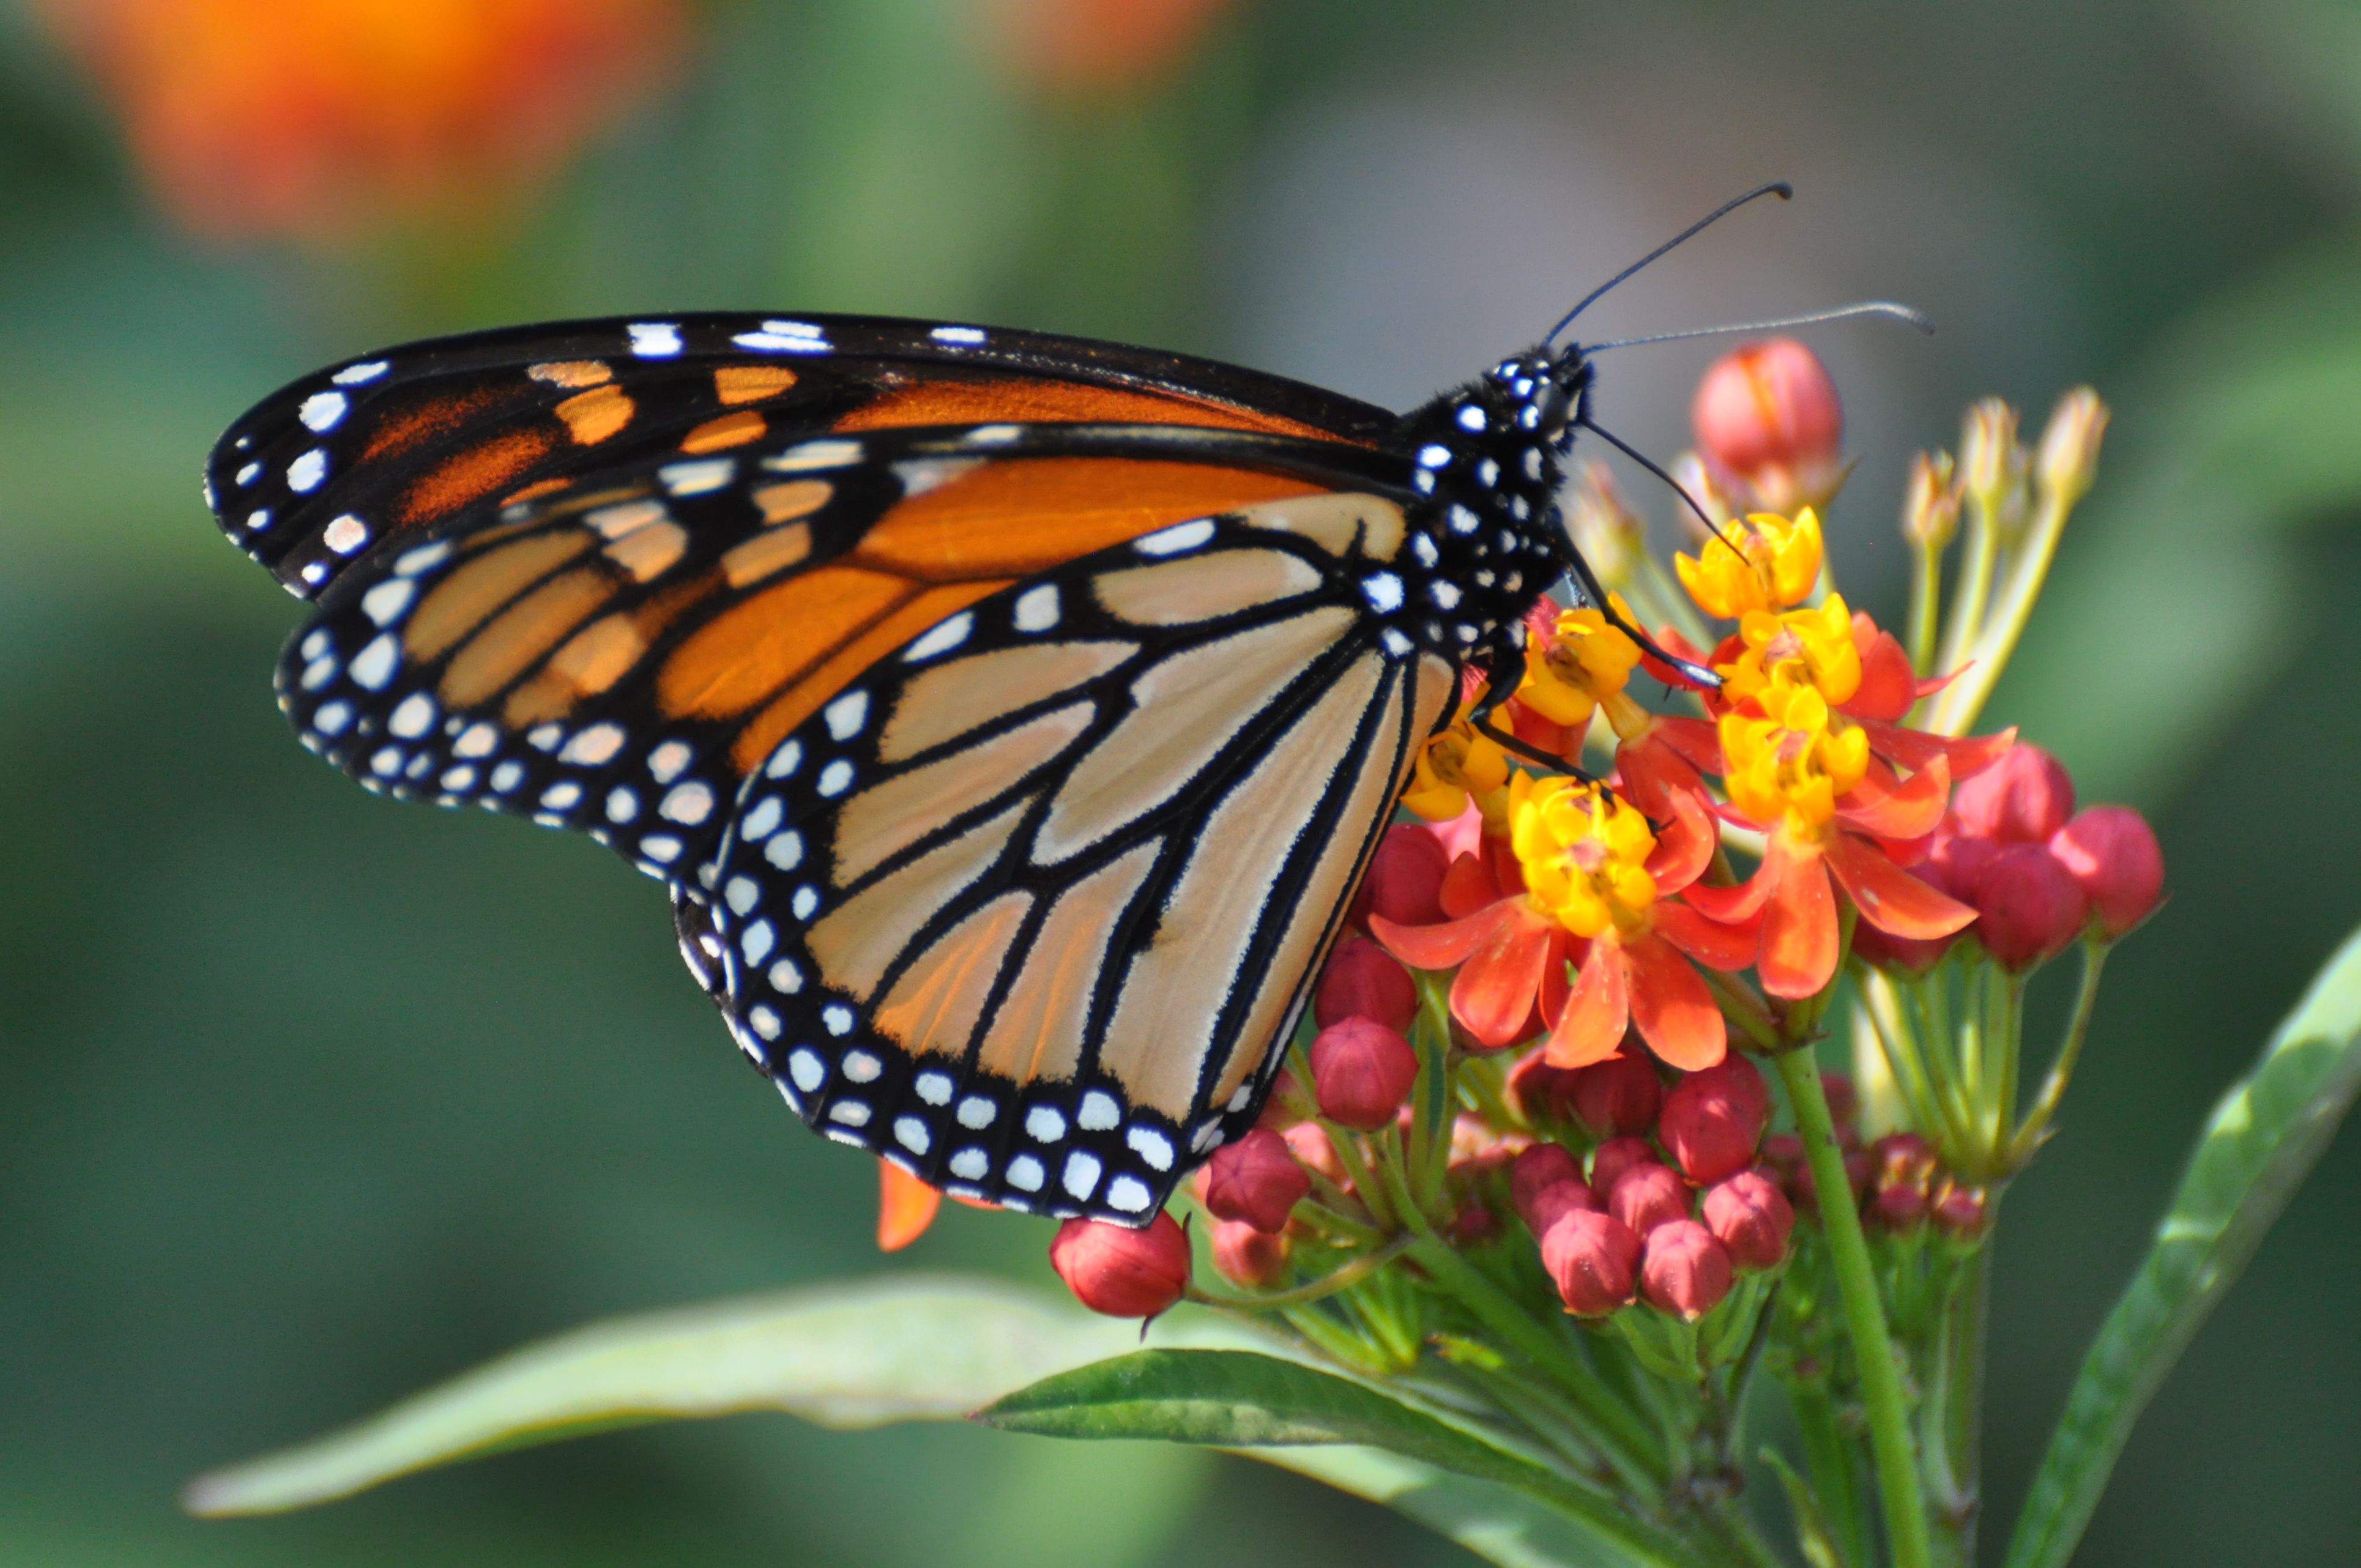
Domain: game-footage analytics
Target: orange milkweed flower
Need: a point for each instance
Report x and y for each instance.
(315, 118)
(1767, 564)
(1599, 886)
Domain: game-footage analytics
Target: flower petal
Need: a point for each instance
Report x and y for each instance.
(1914, 749)
(1445, 945)
(1685, 845)
(1731, 905)
(1674, 1012)
(1889, 897)
(1469, 887)
(1713, 943)
(1906, 809)
(1493, 996)
(1799, 924)
(1599, 1007)
(905, 1207)
(1888, 686)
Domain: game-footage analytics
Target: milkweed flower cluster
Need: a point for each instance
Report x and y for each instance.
(1555, 1132)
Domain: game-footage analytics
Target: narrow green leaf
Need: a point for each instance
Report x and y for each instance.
(1494, 1522)
(2260, 1143)
(897, 1348)
(1241, 1399)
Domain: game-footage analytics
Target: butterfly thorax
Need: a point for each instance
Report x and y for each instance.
(1487, 538)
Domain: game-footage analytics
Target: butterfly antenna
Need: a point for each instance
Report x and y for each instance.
(1845, 313)
(1778, 188)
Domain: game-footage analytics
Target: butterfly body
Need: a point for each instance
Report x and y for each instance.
(1012, 717)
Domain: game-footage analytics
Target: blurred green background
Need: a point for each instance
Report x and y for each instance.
(307, 1101)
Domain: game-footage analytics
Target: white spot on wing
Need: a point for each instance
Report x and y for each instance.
(814, 455)
(942, 639)
(374, 664)
(655, 340)
(847, 714)
(345, 534)
(385, 602)
(594, 747)
(354, 375)
(1178, 537)
(321, 411)
(697, 479)
(1036, 609)
(688, 803)
(305, 473)
(1150, 1146)
(1081, 1174)
(1044, 1124)
(957, 334)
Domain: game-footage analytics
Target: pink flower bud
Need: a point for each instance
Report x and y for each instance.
(1647, 1196)
(1405, 880)
(1685, 1269)
(1616, 1156)
(1249, 1257)
(2021, 799)
(1542, 1165)
(1962, 1210)
(1360, 1072)
(2029, 906)
(1307, 1142)
(1361, 980)
(1121, 1272)
(1844, 1104)
(1904, 1166)
(1752, 1217)
(1617, 1095)
(1543, 1092)
(1713, 1119)
(2111, 852)
(1592, 1258)
(1768, 414)
(1254, 1180)
(1555, 1199)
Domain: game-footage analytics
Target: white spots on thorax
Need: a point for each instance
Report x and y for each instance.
(1037, 610)
(699, 477)
(321, 411)
(354, 375)
(1422, 548)
(1434, 455)
(1396, 644)
(345, 534)
(1532, 461)
(942, 639)
(1488, 473)
(1384, 592)
(1445, 594)
(1529, 418)
(835, 778)
(374, 665)
(846, 715)
(1463, 520)
(305, 474)
(655, 340)
(966, 334)
(1470, 418)
(1174, 540)
(815, 455)
(688, 803)
(413, 718)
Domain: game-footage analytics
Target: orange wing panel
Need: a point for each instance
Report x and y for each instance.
(750, 650)
(1025, 399)
(1029, 514)
(475, 472)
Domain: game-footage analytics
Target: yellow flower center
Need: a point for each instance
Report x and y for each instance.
(1803, 647)
(1793, 761)
(1584, 854)
(1584, 662)
(1772, 564)
(1454, 767)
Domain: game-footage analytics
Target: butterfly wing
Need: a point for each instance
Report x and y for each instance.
(1031, 906)
(410, 439)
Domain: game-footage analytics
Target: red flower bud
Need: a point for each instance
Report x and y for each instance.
(1543, 1092)
(1555, 1199)
(2029, 906)
(1616, 1156)
(1592, 1258)
(1360, 1072)
(1768, 414)
(1542, 1165)
(1308, 1140)
(1683, 1269)
(1361, 980)
(1405, 880)
(1713, 1119)
(1961, 1209)
(1249, 1257)
(1647, 1196)
(2111, 852)
(1844, 1104)
(1752, 1217)
(1119, 1271)
(1905, 1168)
(1617, 1095)
(2021, 799)
(1254, 1180)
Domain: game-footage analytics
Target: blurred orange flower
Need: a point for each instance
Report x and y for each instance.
(1098, 46)
(319, 118)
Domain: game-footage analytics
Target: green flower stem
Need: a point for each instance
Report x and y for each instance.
(1627, 1439)
(2034, 1128)
(1953, 1427)
(1880, 1379)
(1357, 1171)
(1741, 1007)
(1957, 705)
(1970, 599)
(1343, 1278)
(1913, 1067)
(1327, 1209)
(1430, 1095)
(1925, 604)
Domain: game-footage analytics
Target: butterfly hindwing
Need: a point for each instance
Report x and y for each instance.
(1031, 906)
(408, 439)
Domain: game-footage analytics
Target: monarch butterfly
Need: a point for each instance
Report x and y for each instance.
(1012, 716)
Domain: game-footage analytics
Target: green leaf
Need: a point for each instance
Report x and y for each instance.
(2261, 1142)
(1242, 1400)
(897, 1348)
(1494, 1522)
